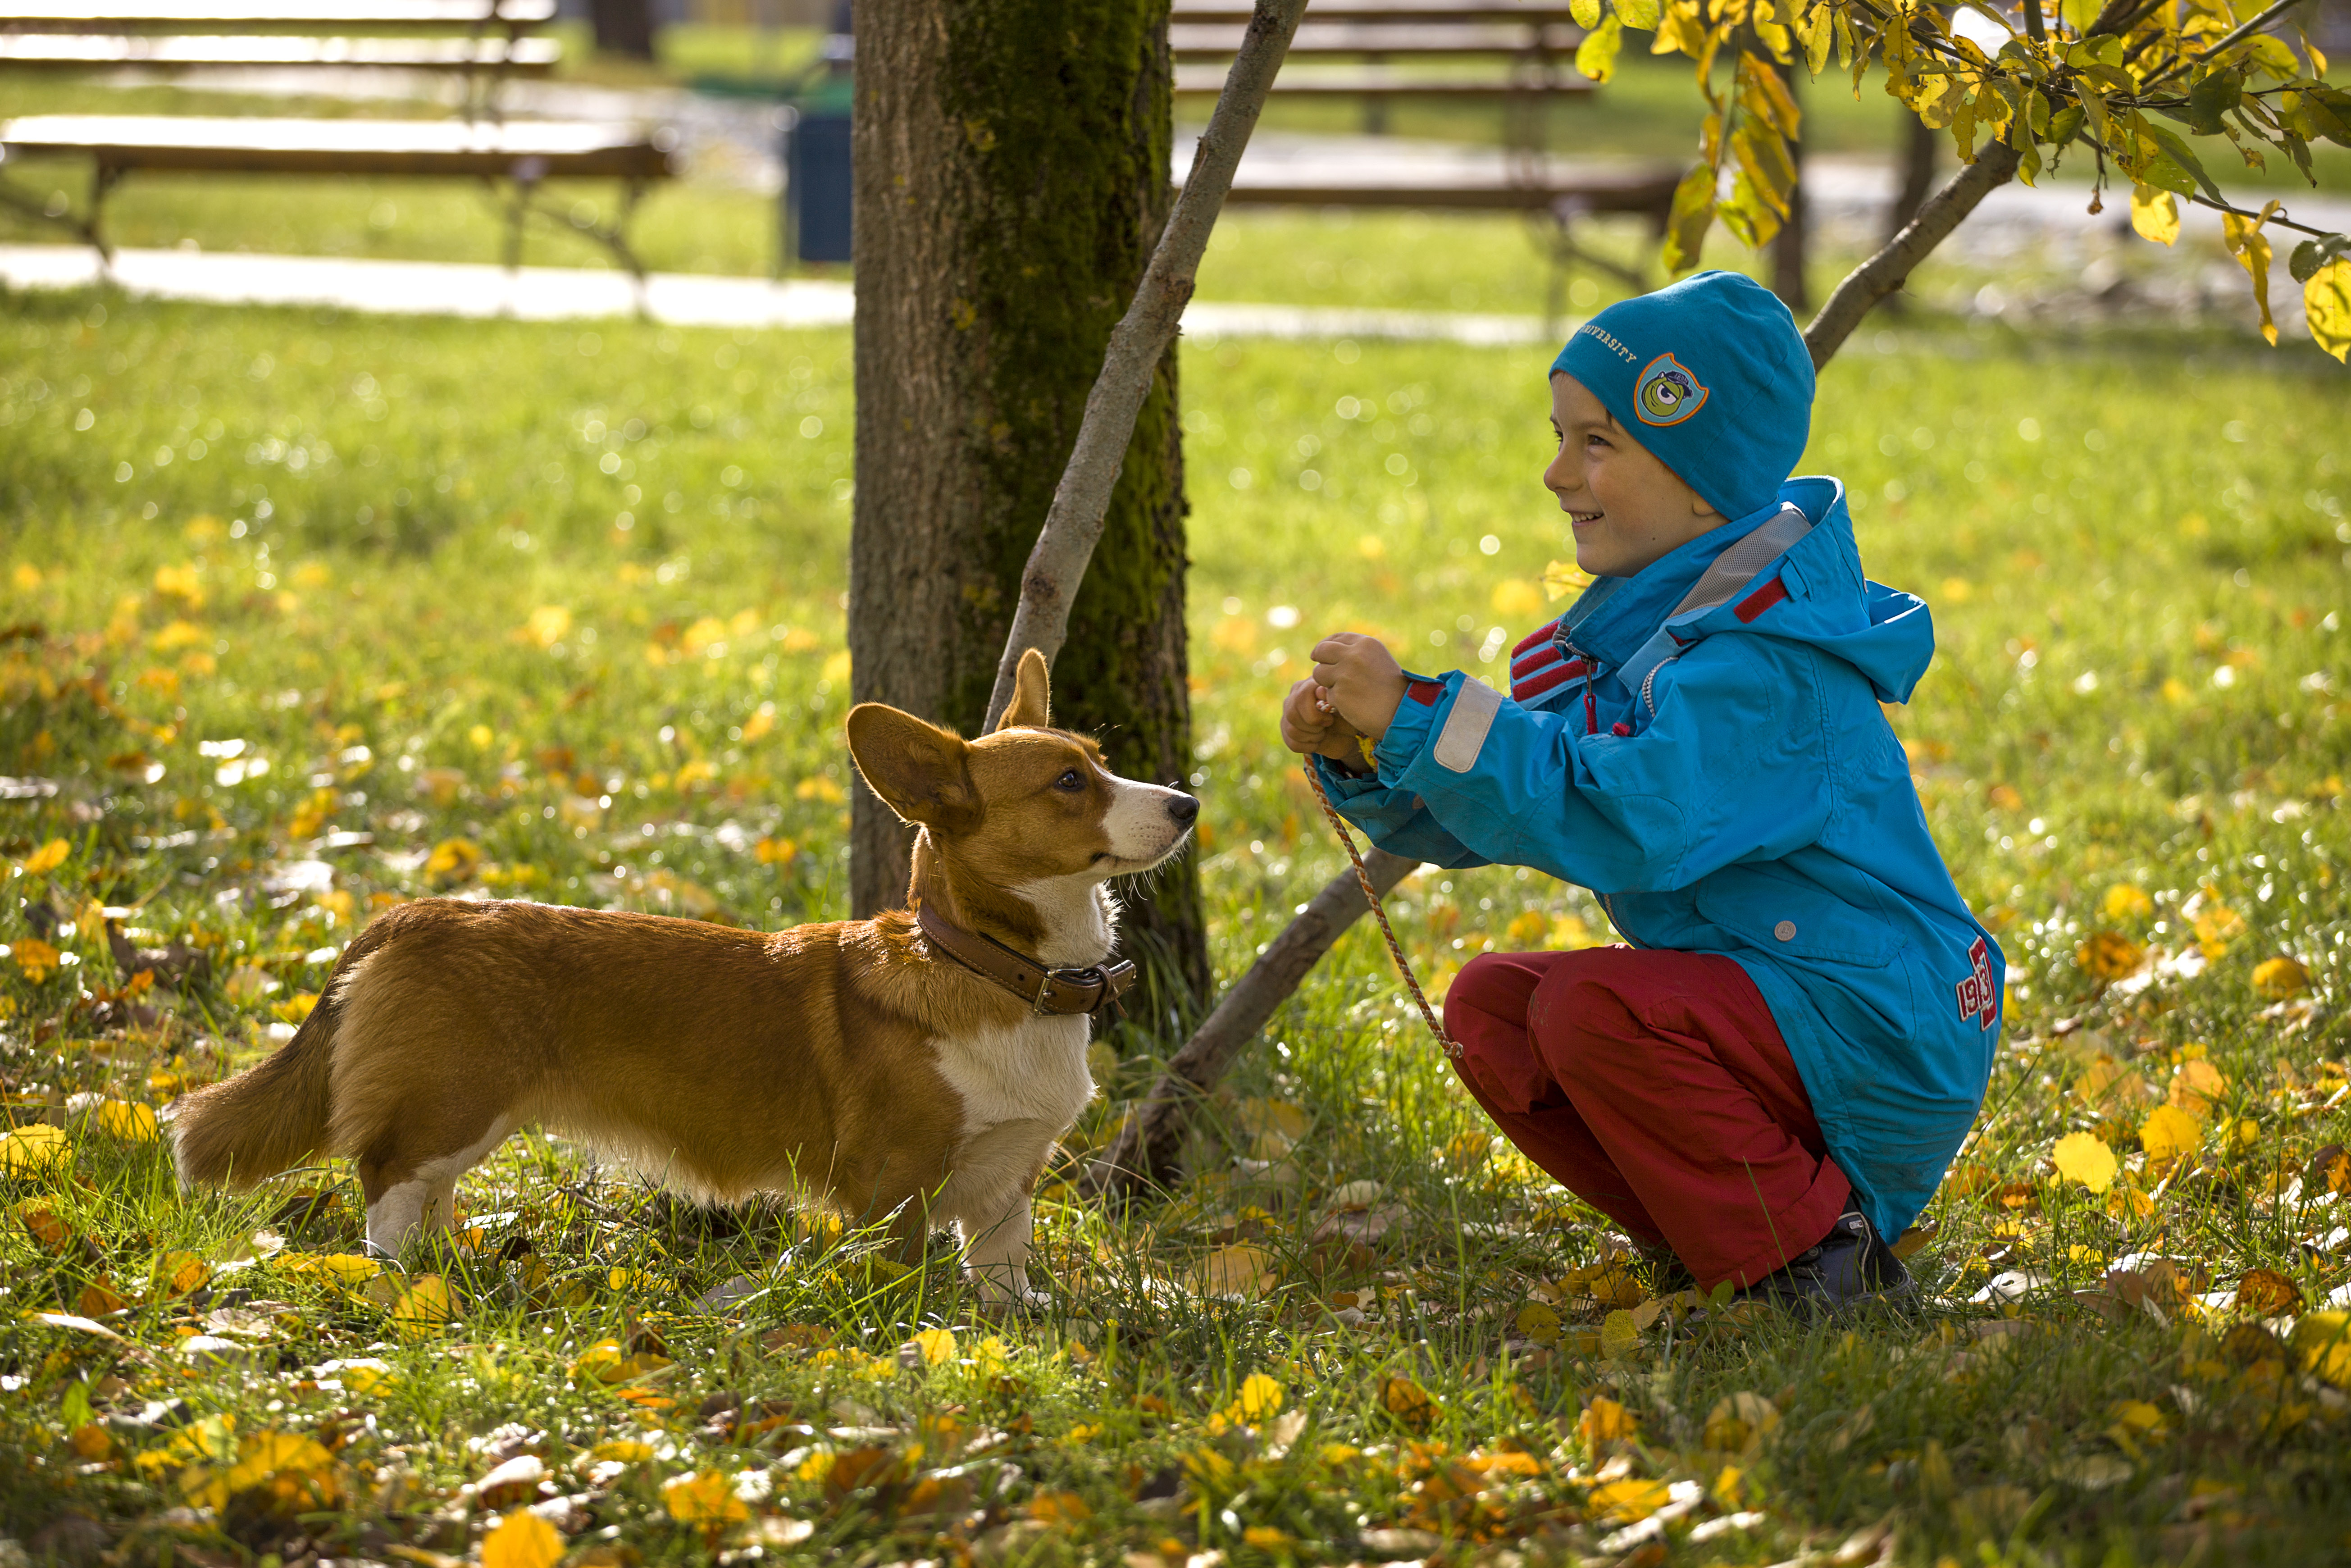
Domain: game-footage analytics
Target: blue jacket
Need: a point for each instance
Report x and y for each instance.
(1753, 802)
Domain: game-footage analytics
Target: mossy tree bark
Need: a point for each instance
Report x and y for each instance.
(1011, 180)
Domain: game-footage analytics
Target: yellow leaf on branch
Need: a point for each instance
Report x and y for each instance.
(1597, 55)
(2251, 248)
(2327, 301)
(2154, 214)
(1562, 577)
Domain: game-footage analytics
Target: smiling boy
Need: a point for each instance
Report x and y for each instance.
(1770, 1079)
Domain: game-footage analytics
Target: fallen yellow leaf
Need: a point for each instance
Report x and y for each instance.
(1409, 1403)
(30, 1150)
(706, 1499)
(1619, 1335)
(1606, 1421)
(2266, 1293)
(2280, 978)
(522, 1540)
(422, 1306)
(2194, 1088)
(452, 861)
(132, 1123)
(2086, 1158)
(1539, 1323)
(1237, 1271)
(46, 859)
(937, 1346)
(2168, 1133)
(1260, 1397)
(2322, 1340)
(35, 957)
(2124, 901)
(2108, 956)
(1628, 1501)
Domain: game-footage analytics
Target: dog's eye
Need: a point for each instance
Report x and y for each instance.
(1073, 780)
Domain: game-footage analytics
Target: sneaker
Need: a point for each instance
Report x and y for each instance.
(1848, 1266)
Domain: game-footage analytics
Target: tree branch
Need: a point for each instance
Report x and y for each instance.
(1073, 524)
(1888, 270)
(1145, 1151)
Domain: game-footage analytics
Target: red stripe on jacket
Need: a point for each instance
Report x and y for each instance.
(1557, 675)
(1759, 601)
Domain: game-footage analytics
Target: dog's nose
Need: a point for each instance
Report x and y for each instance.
(1184, 808)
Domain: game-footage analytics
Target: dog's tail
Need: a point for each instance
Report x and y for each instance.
(274, 1115)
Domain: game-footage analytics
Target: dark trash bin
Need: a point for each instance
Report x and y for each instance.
(817, 186)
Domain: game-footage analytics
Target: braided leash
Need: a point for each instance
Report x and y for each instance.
(1379, 912)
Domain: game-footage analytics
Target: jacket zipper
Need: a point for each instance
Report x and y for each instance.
(1648, 681)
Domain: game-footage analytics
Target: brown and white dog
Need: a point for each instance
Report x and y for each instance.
(871, 1065)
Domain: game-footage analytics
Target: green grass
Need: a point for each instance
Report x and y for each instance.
(356, 577)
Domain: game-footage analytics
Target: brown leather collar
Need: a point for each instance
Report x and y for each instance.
(1057, 991)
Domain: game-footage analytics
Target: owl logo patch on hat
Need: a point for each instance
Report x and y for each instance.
(1666, 394)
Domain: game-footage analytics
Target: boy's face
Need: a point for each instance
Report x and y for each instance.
(1627, 509)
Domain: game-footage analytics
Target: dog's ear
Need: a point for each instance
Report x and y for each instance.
(1033, 706)
(920, 771)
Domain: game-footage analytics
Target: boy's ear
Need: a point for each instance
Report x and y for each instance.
(1031, 706)
(920, 771)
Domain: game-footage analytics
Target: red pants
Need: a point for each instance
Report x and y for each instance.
(1655, 1085)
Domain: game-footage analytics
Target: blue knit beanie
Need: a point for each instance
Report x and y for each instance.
(1711, 376)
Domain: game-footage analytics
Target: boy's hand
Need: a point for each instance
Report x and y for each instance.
(1362, 679)
(1311, 730)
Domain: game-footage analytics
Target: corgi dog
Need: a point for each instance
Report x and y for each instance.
(917, 1067)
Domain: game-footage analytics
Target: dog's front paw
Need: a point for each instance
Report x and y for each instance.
(1000, 1298)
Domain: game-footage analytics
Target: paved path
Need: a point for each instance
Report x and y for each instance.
(685, 300)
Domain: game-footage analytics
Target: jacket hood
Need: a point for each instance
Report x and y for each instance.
(1887, 634)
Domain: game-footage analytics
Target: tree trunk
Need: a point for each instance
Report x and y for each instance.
(1790, 243)
(1011, 180)
(624, 27)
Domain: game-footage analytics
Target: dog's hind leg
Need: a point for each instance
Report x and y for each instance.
(408, 1197)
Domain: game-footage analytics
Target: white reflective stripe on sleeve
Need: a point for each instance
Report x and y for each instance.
(1466, 727)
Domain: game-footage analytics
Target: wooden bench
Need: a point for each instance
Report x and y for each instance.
(1526, 46)
(1388, 48)
(83, 52)
(522, 153)
(194, 35)
(514, 158)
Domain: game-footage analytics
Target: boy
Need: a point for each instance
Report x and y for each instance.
(1771, 1078)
